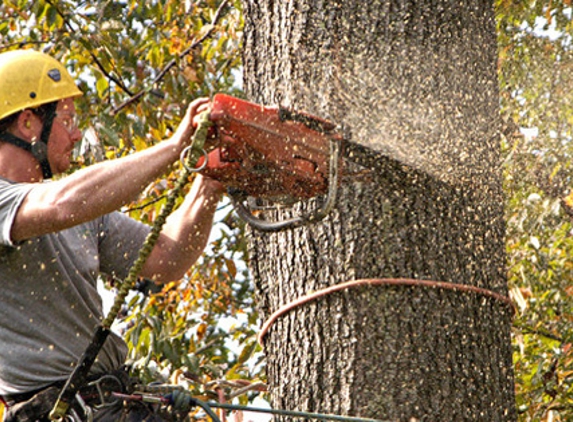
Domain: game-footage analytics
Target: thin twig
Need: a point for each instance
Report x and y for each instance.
(118, 81)
(257, 386)
(107, 74)
(173, 62)
(539, 331)
(143, 206)
(21, 44)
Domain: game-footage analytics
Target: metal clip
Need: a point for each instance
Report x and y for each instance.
(105, 390)
(88, 412)
(149, 398)
(184, 158)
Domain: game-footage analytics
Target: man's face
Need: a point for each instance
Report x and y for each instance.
(63, 136)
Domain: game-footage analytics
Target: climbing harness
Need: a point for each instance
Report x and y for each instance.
(95, 394)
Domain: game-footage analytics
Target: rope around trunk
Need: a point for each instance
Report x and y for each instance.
(377, 282)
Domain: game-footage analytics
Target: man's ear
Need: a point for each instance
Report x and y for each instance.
(28, 125)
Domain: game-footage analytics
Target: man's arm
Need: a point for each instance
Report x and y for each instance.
(101, 188)
(185, 233)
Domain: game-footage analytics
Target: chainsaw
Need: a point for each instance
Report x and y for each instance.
(273, 154)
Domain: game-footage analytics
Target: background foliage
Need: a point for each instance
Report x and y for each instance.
(535, 64)
(140, 63)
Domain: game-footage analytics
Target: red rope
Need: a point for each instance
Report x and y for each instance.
(376, 282)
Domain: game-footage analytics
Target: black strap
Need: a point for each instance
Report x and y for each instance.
(34, 409)
(42, 156)
(98, 392)
(39, 149)
(14, 140)
(79, 376)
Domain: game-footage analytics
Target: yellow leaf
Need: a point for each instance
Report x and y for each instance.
(232, 267)
(568, 200)
(201, 330)
(190, 74)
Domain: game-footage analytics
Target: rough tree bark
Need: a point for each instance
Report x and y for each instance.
(416, 82)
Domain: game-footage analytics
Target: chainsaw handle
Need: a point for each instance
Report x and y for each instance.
(266, 226)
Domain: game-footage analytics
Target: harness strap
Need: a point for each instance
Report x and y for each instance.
(79, 376)
(99, 391)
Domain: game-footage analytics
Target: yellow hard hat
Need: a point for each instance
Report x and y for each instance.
(29, 79)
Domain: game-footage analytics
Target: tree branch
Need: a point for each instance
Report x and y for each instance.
(103, 70)
(134, 98)
(21, 44)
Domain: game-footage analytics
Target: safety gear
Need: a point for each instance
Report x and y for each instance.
(29, 79)
(101, 399)
(68, 121)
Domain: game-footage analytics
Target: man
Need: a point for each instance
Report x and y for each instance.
(57, 236)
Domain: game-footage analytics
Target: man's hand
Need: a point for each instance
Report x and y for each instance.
(186, 128)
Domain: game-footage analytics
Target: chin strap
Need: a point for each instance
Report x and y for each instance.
(39, 149)
(42, 156)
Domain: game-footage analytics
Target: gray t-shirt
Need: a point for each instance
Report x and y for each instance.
(49, 303)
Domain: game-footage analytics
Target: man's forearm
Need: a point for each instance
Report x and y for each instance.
(185, 233)
(102, 188)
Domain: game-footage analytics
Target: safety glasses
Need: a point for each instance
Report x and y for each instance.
(69, 121)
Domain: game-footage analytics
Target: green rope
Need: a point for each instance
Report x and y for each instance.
(197, 143)
(182, 400)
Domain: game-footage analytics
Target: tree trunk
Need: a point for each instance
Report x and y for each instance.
(414, 81)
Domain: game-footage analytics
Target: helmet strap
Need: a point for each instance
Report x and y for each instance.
(14, 140)
(39, 149)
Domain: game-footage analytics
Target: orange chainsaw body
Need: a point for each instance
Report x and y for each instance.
(268, 152)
